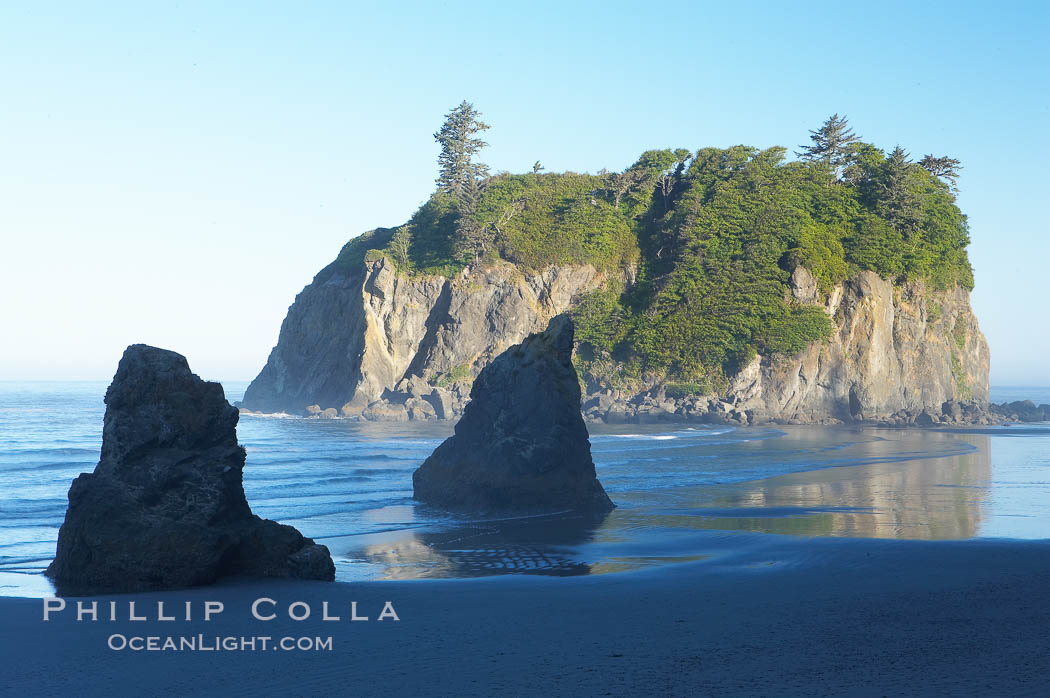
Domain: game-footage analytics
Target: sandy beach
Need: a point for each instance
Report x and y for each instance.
(768, 615)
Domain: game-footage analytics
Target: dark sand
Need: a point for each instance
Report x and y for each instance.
(770, 616)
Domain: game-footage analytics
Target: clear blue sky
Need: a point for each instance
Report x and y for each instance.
(174, 173)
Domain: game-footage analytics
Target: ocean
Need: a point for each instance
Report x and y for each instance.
(682, 492)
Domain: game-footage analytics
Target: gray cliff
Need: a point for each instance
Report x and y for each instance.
(521, 444)
(164, 507)
(351, 340)
(375, 345)
(896, 349)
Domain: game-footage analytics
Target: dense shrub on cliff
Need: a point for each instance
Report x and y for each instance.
(714, 236)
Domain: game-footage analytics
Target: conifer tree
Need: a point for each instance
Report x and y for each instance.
(832, 145)
(898, 201)
(462, 178)
(401, 246)
(943, 167)
(459, 146)
(472, 239)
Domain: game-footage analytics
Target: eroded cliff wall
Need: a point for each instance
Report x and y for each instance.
(379, 345)
(894, 348)
(350, 340)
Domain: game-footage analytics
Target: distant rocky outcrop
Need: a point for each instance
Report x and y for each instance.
(165, 507)
(522, 444)
(1021, 411)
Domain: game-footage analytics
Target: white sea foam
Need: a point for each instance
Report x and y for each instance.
(650, 437)
(688, 433)
(271, 415)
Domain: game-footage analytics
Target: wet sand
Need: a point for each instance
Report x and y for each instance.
(862, 484)
(759, 615)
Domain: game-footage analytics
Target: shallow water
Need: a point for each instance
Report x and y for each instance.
(1010, 393)
(681, 491)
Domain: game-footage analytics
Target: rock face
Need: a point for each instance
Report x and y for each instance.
(165, 507)
(522, 444)
(895, 349)
(897, 353)
(1020, 411)
(376, 345)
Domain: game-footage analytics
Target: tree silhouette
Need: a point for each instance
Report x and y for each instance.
(831, 145)
(898, 201)
(457, 169)
(943, 167)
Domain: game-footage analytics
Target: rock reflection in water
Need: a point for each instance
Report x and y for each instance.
(546, 545)
(923, 499)
(851, 483)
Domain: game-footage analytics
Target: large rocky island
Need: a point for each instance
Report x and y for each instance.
(722, 285)
(387, 347)
(165, 507)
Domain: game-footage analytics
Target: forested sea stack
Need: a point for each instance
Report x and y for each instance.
(734, 285)
(521, 444)
(165, 507)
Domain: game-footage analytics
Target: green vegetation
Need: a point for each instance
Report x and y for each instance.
(463, 179)
(961, 384)
(959, 333)
(458, 374)
(680, 390)
(712, 237)
(540, 219)
(354, 253)
(832, 145)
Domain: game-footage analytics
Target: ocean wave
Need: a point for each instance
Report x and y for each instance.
(44, 451)
(26, 504)
(305, 512)
(298, 484)
(632, 446)
(384, 456)
(20, 523)
(8, 563)
(691, 435)
(348, 457)
(32, 544)
(62, 465)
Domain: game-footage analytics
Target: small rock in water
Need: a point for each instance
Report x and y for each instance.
(521, 444)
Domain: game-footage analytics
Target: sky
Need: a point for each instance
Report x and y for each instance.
(175, 172)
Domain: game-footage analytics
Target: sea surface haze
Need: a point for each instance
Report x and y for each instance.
(682, 492)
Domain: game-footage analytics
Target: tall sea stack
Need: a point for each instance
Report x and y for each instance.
(165, 507)
(522, 444)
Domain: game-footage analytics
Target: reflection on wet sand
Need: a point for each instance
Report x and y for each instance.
(870, 484)
(547, 545)
(922, 499)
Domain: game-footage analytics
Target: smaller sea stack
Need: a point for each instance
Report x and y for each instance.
(165, 507)
(521, 445)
